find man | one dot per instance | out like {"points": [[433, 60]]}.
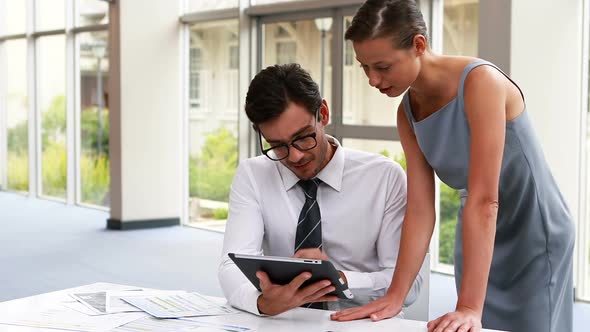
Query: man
{"points": [[309, 197]]}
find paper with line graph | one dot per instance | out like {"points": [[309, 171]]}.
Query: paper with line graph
{"points": [[178, 305]]}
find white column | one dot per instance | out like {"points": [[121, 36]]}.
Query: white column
{"points": [[145, 98]]}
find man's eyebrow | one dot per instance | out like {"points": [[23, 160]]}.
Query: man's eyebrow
{"points": [[297, 133]]}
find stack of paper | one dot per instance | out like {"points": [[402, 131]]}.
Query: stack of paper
{"points": [[124, 309]]}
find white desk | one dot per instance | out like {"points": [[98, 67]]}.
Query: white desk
{"points": [[296, 320]]}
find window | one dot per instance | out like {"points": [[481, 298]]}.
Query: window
{"points": [[195, 60], [306, 42], [94, 118], [92, 12], [390, 149], [363, 104], [51, 98], [50, 14], [460, 26], [213, 121], [16, 106], [12, 17]]}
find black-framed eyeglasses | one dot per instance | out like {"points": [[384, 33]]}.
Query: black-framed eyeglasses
{"points": [[281, 151]]}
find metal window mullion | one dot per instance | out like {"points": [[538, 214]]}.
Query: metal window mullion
{"points": [[582, 267], [3, 119], [16, 36], [44, 33], [337, 54], [435, 18], [436, 25], [211, 15], [248, 55], [34, 121], [89, 28], [72, 158], [185, 164]]}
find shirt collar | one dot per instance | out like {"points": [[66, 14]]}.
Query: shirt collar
{"points": [[331, 174]]}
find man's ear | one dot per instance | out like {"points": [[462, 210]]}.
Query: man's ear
{"points": [[324, 116]]}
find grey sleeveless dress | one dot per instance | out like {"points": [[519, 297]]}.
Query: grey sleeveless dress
{"points": [[530, 287]]}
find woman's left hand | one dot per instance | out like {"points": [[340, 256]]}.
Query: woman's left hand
{"points": [[462, 320]]}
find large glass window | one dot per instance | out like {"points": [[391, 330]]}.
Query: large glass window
{"points": [[52, 104], [306, 42], [50, 14], [94, 118], [213, 120], [390, 149], [12, 16], [92, 12], [363, 104], [16, 107], [461, 26]]}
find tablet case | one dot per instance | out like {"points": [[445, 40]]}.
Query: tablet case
{"points": [[282, 270]]}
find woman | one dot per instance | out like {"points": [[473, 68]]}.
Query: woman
{"points": [[465, 120]]}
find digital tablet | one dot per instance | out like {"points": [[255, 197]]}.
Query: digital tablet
{"points": [[282, 270]]}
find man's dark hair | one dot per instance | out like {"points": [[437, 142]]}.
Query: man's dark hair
{"points": [[274, 87], [400, 20]]}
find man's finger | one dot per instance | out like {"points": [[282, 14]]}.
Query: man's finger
{"points": [[326, 298], [309, 295], [296, 283], [316, 288], [263, 280]]}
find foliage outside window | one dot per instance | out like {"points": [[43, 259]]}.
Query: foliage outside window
{"points": [[449, 207], [213, 120]]}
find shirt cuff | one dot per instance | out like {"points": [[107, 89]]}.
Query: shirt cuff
{"points": [[246, 298], [358, 280]]}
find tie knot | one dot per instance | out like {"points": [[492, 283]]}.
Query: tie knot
{"points": [[310, 187]]}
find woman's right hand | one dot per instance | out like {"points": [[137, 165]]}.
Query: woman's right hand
{"points": [[383, 308]]}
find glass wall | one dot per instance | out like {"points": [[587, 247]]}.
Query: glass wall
{"points": [[50, 157], [363, 104], [51, 99], [307, 42], [16, 106], [460, 26], [12, 17], [213, 120], [94, 118], [50, 14], [92, 12]]}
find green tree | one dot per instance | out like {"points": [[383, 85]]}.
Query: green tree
{"points": [[212, 171], [449, 207], [89, 130]]}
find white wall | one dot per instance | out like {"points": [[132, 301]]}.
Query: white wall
{"points": [[146, 120], [539, 45], [546, 60]]}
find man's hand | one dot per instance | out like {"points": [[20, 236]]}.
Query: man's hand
{"points": [[314, 253], [276, 299], [311, 253]]}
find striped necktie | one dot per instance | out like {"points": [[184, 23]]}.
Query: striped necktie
{"points": [[309, 225]]}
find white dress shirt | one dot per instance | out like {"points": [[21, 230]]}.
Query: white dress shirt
{"points": [[362, 201]]}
